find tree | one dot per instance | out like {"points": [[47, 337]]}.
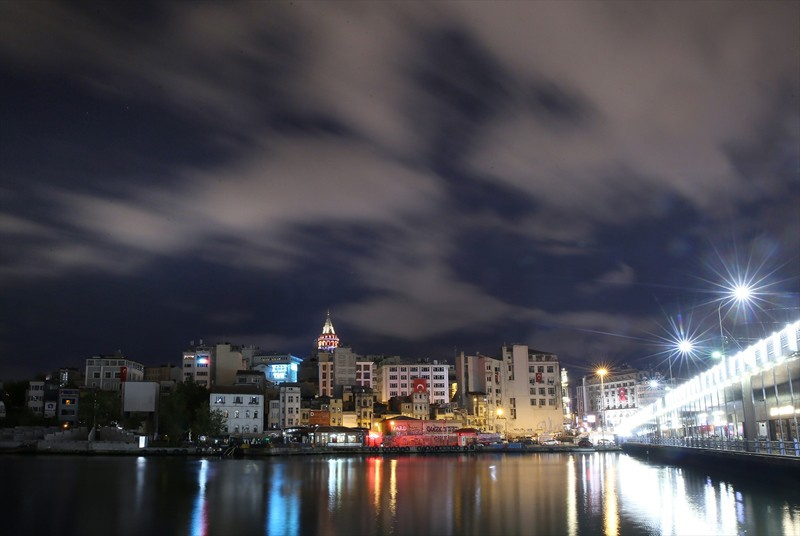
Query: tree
{"points": [[185, 409]]}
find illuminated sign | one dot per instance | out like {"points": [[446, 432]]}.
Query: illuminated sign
{"points": [[280, 368]]}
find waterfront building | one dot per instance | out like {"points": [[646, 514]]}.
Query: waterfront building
{"points": [[34, 397], [479, 376], [395, 377], [67, 412], [532, 398], [417, 405], [109, 372], [617, 401], [242, 407], [285, 411]]}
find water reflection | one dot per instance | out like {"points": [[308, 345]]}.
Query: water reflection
{"points": [[200, 512], [576, 494]]}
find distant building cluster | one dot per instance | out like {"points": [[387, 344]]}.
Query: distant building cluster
{"points": [[521, 392]]}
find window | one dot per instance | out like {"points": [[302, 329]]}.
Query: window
{"points": [[236, 400], [236, 414], [551, 402], [551, 390], [226, 413], [255, 428], [108, 375], [291, 410], [541, 401], [550, 368], [247, 414], [533, 401], [533, 391], [254, 400], [255, 416], [541, 391], [96, 375], [540, 369], [220, 400]]}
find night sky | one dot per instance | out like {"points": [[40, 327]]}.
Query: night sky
{"points": [[585, 178]]}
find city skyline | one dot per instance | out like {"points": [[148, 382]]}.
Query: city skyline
{"points": [[591, 180]]}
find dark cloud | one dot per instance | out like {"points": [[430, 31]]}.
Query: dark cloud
{"points": [[438, 176]]}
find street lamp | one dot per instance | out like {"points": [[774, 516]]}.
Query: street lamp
{"points": [[738, 294], [602, 373]]}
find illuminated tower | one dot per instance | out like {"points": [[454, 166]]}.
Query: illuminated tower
{"points": [[328, 341]]}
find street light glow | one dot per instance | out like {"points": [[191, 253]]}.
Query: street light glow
{"points": [[602, 372], [741, 293], [685, 346]]}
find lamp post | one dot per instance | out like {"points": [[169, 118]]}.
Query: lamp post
{"points": [[602, 373], [738, 294]]}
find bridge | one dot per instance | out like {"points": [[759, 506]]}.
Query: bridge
{"points": [[747, 406]]}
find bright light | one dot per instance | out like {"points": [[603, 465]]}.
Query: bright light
{"points": [[602, 372], [499, 412], [685, 346], [653, 384], [742, 293], [716, 354]]}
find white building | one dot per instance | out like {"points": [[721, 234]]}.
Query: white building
{"points": [[34, 397], [198, 365], [532, 401], [109, 372], [286, 413], [242, 407], [394, 378], [619, 398]]}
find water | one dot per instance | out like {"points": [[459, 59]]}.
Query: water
{"points": [[488, 494]]}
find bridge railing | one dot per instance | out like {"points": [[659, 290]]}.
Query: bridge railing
{"points": [[790, 447]]}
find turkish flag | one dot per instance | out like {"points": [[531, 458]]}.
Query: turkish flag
{"points": [[538, 377], [420, 385], [623, 394], [123, 374]]}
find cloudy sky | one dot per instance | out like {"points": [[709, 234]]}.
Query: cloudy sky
{"points": [[585, 178]]}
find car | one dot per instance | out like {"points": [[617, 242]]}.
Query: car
{"points": [[585, 443], [606, 443], [550, 442]]}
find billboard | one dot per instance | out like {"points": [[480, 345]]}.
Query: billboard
{"points": [[140, 396]]}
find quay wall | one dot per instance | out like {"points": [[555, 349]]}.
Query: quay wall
{"points": [[741, 463]]}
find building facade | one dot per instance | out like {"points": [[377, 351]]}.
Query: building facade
{"points": [[109, 372], [532, 401], [396, 378], [199, 365], [242, 407], [277, 368]]}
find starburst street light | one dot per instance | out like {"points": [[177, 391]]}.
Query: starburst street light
{"points": [[740, 294]]}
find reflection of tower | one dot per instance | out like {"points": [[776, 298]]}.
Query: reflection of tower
{"points": [[328, 340]]}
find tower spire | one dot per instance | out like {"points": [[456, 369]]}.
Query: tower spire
{"points": [[328, 340]]}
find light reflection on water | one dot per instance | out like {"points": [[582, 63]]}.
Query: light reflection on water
{"points": [[576, 494]]}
